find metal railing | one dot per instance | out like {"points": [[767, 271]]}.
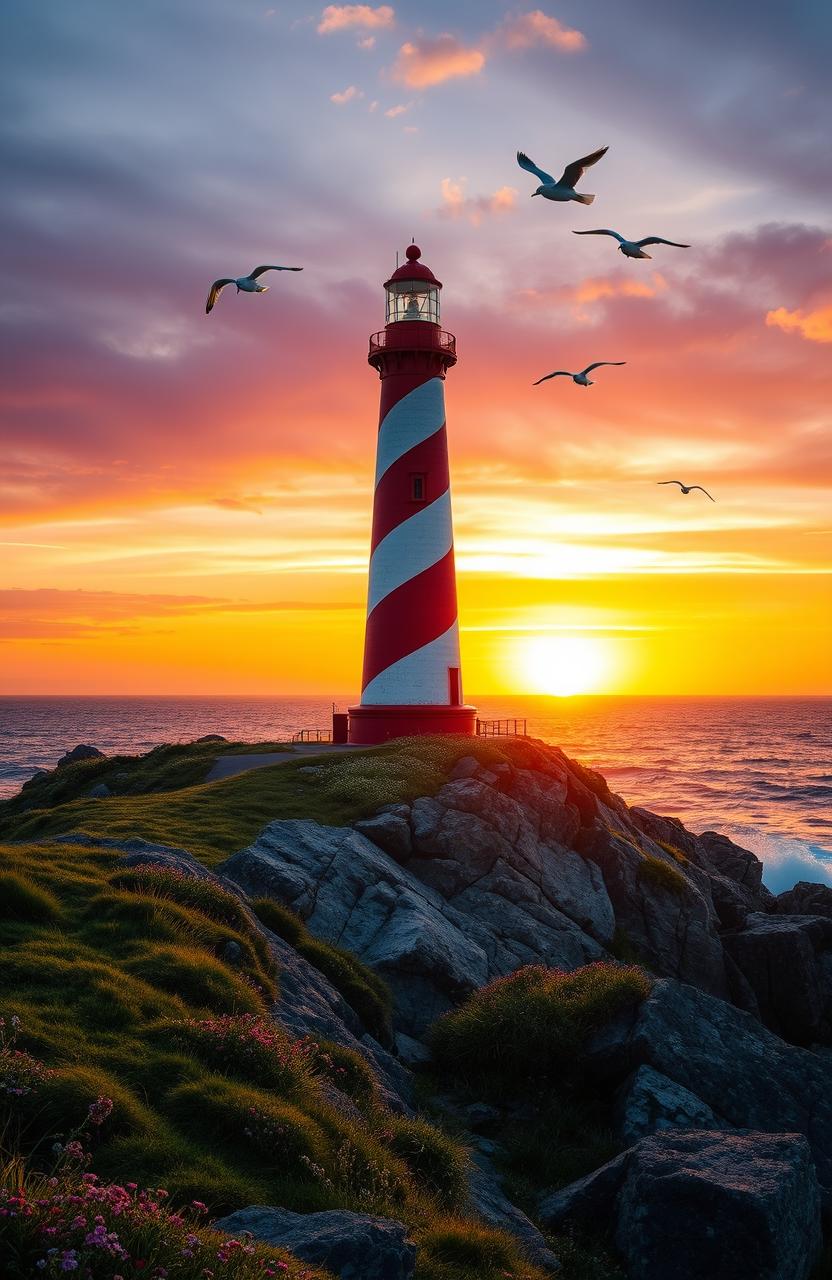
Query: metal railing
{"points": [[312, 735], [501, 728], [417, 335]]}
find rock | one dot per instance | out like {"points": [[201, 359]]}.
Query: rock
{"points": [[390, 831], [36, 777], [465, 767], [81, 752], [479, 1115], [100, 791], [353, 1246], [783, 960], [212, 737], [487, 1198], [411, 1052], [140, 853], [720, 1205], [672, 926], [688, 1204], [650, 1102], [232, 952], [432, 951], [805, 900], [747, 1075], [737, 864]]}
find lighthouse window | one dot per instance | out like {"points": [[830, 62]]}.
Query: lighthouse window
{"points": [[412, 300], [418, 487]]}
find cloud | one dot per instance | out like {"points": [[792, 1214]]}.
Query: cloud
{"points": [[338, 17], [455, 203], [433, 61], [366, 42], [346, 95], [815, 325], [536, 27], [398, 110], [594, 289]]}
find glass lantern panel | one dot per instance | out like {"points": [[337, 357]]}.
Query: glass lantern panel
{"points": [[412, 300]]}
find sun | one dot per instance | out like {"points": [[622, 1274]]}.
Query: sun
{"points": [[561, 665]]}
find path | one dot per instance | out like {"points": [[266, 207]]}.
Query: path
{"points": [[229, 766]]}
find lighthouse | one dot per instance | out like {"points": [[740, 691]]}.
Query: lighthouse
{"points": [[412, 678]]}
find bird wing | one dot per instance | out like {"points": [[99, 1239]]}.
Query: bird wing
{"points": [[574, 171], [681, 486], [530, 167], [600, 232], [659, 240], [258, 271], [216, 289], [598, 364], [559, 373], [705, 491]]}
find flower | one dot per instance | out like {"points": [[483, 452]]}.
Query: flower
{"points": [[100, 1110]]}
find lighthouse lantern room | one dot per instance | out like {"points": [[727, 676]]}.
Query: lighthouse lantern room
{"points": [[412, 679]]}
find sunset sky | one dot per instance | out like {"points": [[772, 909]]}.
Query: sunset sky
{"points": [[185, 500]]}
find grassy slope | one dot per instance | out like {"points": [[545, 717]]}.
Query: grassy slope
{"points": [[97, 970]]}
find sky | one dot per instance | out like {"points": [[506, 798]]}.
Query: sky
{"points": [[185, 500]]}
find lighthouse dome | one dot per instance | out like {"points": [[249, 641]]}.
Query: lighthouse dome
{"points": [[412, 290]]}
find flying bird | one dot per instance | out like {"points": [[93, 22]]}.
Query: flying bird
{"points": [[564, 188], [580, 378], [687, 488], [248, 284], [632, 248]]}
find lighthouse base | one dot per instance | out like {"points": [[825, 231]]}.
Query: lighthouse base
{"points": [[371, 725]]}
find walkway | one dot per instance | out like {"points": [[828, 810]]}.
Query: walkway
{"points": [[229, 766]]}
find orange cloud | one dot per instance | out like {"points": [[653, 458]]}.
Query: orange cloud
{"points": [[537, 27], [346, 95], [595, 289], [815, 325], [455, 203], [433, 61], [337, 17]]}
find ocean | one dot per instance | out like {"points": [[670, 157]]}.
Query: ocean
{"points": [[757, 769]]}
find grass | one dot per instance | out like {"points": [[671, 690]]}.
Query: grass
{"points": [[531, 1025], [363, 990], [213, 820], [661, 875], [676, 854], [22, 899], [125, 995]]}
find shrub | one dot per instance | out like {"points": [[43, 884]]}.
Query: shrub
{"points": [[78, 1224], [22, 899], [437, 1163], [249, 1048], [676, 854], [534, 1022], [286, 923], [661, 875], [200, 979]]}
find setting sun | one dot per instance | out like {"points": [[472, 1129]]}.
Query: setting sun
{"points": [[561, 665]]}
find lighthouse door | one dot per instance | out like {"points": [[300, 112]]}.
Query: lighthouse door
{"points": [[454, 687]]}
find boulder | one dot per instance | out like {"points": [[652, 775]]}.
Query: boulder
{"points": [[649, 1102], [487, 1199], [784, 960], [353, 1246], [212, 737], [805, 899], [36, 777], [81, 752], [390, 831], [100, 791], [688, 1204], [737, 864], [720, 1205], [747, 1075]]}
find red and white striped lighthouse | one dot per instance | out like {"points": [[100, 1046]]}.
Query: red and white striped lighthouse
{"points": [[412, 680]]}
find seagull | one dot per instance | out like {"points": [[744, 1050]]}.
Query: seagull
{"points": [[687, 488], [564, 188], [248, 284], [632, 248], [580, 379]]}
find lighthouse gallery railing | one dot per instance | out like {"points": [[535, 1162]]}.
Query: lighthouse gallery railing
{"points": [[418, 335]]}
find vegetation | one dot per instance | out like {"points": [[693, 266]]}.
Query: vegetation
{"points": [[127, 1003], [363, 990], [533, 1024], [662, 875], [676, 854]]}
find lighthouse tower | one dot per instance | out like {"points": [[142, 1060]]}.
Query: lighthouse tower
{"points": [[412, 680]]}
